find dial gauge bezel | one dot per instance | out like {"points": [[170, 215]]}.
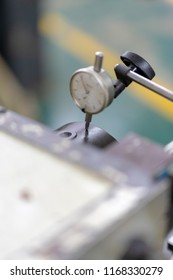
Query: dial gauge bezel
{"points": [[91, 91]]}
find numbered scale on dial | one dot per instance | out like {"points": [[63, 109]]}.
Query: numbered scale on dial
{"points": [[92, 88]]}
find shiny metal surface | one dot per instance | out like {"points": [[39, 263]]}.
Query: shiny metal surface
{"points": [[75, 131], [98, 61], [151, 85]]}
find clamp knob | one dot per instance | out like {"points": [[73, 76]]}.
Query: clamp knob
{"points": [[138, 64], [135, 63]]}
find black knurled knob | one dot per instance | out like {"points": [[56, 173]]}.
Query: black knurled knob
{"points": [[138, 64]]}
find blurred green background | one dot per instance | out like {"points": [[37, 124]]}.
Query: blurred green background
{"points": [[70, 32]]}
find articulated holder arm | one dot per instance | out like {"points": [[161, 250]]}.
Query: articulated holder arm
{"points": [[138, 70]]}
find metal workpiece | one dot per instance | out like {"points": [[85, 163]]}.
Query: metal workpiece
{"points": [[76, 132], [149, 156]]}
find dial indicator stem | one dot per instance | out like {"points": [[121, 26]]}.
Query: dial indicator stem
{"points": [[88, 118], [98, 61]]}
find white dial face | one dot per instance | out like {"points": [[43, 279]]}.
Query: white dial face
{"points": [[88, 92]]}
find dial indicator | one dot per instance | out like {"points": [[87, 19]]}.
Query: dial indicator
{"points": [[92, 88]]}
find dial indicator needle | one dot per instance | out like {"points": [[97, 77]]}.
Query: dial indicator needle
{"points": [[84, 86]]}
